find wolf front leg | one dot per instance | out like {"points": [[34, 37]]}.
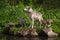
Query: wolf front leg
{"points": [[40, 20], [32, 22]]}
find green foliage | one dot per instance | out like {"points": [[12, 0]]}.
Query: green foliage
{"points": [[11, 10]]}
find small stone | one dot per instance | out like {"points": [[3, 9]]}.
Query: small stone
{"points": [[49, 21], [44, 22]]}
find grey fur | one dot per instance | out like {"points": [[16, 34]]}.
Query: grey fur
{"points": [[33, 15]]}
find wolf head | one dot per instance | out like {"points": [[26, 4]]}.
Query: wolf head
{"points": [[28, 9]]}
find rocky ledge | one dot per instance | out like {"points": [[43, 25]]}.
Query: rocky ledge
{"points": [[31, 32], [47, 32]]}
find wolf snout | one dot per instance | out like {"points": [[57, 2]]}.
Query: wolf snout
{"points": [[25, 9]]}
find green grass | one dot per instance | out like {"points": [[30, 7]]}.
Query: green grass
{"points": [[11, 13]]}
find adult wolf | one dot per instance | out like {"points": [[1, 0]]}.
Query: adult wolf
{"points": [[33, 15]]}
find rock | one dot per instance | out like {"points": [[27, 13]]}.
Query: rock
{"points": [[28, 33], [47, 32], [18, 25], [42, 34], [32, 32], [23, 32], [10, 24], [52, 34]]}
